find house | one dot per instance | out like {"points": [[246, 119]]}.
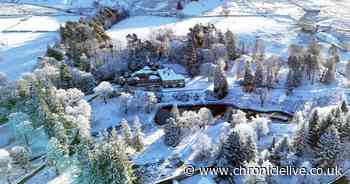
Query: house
{"points": [[164, 77], [145, 77], [170, 79]]}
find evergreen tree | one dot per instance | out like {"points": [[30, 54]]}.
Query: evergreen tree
{"points": [[231, 45], [299, 137], [248, 80], [314, 129], [220, 84], [329, 149], [237, 149], [345, 131], [65, 77], [280, 151], [172, 133], [126, 132], [108, 162], [175, 113], [138, 137], [190, 59], [57, 155], [259, 76], [344, 107]]}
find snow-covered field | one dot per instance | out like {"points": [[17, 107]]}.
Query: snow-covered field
{"points": [[23, 38]]}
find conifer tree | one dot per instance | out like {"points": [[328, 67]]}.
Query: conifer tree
{"points": [[329, 149], [231, 45], [108, 162], [237, 149], [175, 113], [298, 142], [314, 129], [259, 76], [172, 133], [248, 80], [138, 137], [220, 84], [190, 59], [65, 77], [126, 132], [280, 152]]}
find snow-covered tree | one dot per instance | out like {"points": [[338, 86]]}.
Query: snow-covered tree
{"points": [[299, 137], [5, 165], [248, 80], [259, 75], [261, 126], [57, 155], [190, 59], [220, 84], [175, 113], [259, 50], [280, 151], [125, 99], [239, 147], [238, 117], [108, 162], [21, 128], [202, 148], [313, 134], [231, 45], [330, 74], [138, 136], [65, 77], [329, 148], [205, 116], [126, 132], [104, 90], [20, 156], [172, 133], [151, 101]]}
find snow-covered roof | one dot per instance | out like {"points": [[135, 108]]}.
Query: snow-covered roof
{"points": [[144, 71], [167, 74]]}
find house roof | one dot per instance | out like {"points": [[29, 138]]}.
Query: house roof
{"points": [[167, 74], [144, 71]]}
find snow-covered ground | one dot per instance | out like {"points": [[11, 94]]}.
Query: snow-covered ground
{"points": [[21, 45]]}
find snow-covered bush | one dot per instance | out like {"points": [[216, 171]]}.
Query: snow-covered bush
{"points": [[261, 126], [202, 149], [20, 156], [104, 90]]}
